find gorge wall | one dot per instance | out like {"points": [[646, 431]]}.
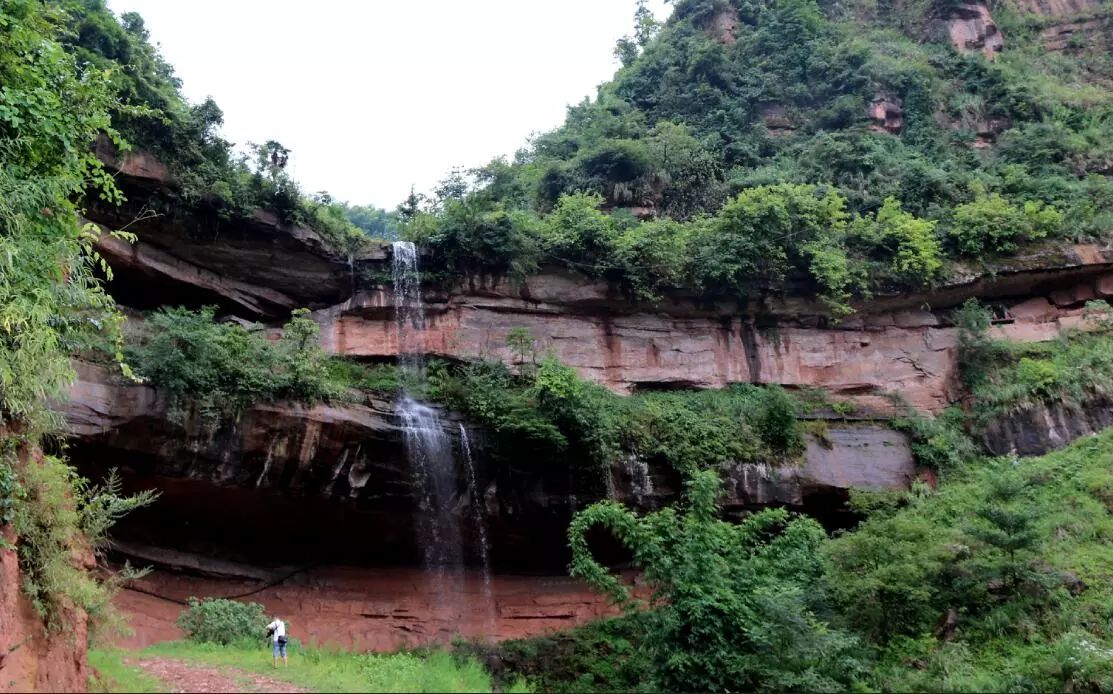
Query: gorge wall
{"points": [[339, 472]]}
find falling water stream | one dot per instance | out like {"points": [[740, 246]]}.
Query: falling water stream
{"points": [[429, 451], [478, 512]]}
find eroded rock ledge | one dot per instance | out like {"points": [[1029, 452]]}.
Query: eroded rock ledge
{"points": [[891, 346], [341, 471], [261, 269]]}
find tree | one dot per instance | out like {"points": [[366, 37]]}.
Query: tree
{"points": [[646, 27], [1006, 540], [768, 234], [908, 244]]}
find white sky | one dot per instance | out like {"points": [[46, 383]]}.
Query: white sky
{"points": [[375, 95]]}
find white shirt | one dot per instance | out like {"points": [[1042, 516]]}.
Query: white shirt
{"points": [[279, 628]]}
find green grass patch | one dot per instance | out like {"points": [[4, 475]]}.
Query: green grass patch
{"points": [[333, 670], [113, 674]]}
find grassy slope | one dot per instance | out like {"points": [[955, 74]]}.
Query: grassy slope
{"points": [[1067, 644]]}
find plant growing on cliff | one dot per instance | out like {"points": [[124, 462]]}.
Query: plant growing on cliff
{"points": [[51, 303], [732, 606], [59, 518], [222, 368], [988, 582]]}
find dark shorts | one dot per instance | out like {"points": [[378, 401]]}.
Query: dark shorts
{"points": [[279, 649]]}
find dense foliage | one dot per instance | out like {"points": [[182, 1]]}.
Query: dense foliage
{"points": [[216, 620], [548, 414], [52, 108], [731, 603], [734, 153], [1073, 371], [990, 583], [57, 516], [218, 369]]}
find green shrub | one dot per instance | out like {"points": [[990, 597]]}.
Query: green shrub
{"points": [[222, 368], [220, 621], [941, 442], [991, 224], [907, 244], [556, 415], [601, 656], [732, 605], [1006, 378], [995, 581]]}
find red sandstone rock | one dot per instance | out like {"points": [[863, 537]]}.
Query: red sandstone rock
{"points": [[887, 114], [378, 609], [905, 351], [972, 29], [1077, 294], [1036, 309], [32, 659]]}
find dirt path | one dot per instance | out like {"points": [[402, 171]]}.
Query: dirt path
{"points": [[181, 676]]}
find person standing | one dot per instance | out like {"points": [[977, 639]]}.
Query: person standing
{"points": [[277, 631]]}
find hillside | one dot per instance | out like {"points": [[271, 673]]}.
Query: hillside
{"points": [[803, 322], [748, 149]]}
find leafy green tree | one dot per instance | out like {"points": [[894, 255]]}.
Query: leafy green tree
{"points": [[886, 577], [375, 222], [653, 256], [645, 28], [219, 369], [478, 235], [992, 224], [1007, 542], [768, 235], [224, 622], [906, 243], [730, 603], [51, 112], [581, 234]]}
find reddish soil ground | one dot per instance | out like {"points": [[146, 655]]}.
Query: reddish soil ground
{"points": [[180, 676]]}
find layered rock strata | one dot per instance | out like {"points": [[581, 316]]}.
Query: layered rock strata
{"points": [[908, 350], [341, 470]]}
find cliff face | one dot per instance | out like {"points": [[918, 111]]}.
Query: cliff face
{"points": [[344, 467], [30, 658], [903, 345], [260, 269], [340, 471]]}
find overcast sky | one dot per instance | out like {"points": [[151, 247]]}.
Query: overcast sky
{"points": [[375, 95]]}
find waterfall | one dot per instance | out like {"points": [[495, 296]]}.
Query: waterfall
{"points": [[409, 308], [429, 451], [478, 513], [429, 448]]}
